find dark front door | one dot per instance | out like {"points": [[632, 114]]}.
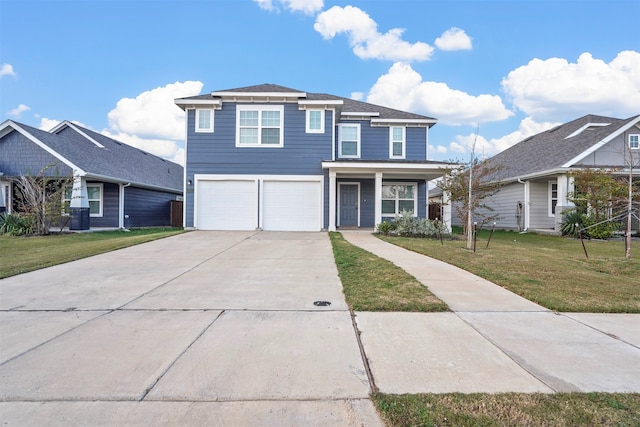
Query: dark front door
{"points": [[348, 205]]}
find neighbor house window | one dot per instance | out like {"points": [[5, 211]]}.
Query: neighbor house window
{"points": [[397, 142], [259, 126], [315, 121], [94, 196], [204, 120], [349, 141], [634, 141], [399, 197], [553, 198]]}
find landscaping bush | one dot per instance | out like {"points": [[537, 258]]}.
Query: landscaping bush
{"points": [[16, 224], [603, 230], [405, 224], [572, 223]]}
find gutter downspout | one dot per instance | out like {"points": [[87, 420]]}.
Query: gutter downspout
{"points": [[526, 204], [121, 213]]}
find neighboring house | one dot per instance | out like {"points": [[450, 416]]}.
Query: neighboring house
{"points": [[274, 158], [534, 173], [115, 184]]}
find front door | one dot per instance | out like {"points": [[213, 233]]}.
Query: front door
{"points": [[349, 195]]}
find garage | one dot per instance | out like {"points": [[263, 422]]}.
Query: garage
{"points": [[268, 202]]}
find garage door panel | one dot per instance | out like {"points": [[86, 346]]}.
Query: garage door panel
{"points": [[292, 205], [227, 205]]}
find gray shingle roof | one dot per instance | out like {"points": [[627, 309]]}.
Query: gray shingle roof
{"points": [[348, 106], [552, 149], [117, 160]]}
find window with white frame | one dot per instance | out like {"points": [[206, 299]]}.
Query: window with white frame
{"points": [[634, 141], [553, 197], [315, 121], [399, 197], [259, 126], [204, 120], [94, 196], [349, 141], [397, 144]]}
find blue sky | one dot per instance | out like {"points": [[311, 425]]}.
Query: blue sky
{"points": [[509, 68]]}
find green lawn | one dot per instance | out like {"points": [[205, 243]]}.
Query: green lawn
{"points": [[23, 254], [549, 270]]}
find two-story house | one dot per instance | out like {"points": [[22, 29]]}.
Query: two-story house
{"points": [[274, 158]]}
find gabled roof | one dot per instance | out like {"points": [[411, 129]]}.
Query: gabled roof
{"points": [[559, 148], [97, 156], [346, 108]]}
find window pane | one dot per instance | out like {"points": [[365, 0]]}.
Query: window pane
{"points": [[94, 207], [204, 119], [397, 134], [314, 120], [67, 193], [93, 193], [397, 148], [634, 141], [349, 148], [388, 207], [405, 191], [389, 192], [271, 118], [248, 118], [406, 205], [271, 136], [249, 136], [349, 133]]}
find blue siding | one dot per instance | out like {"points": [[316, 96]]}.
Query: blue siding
{"points": [[147, 208], [374, 142], [416, 143], [20, 156], [110, 203]]}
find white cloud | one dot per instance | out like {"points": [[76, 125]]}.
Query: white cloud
{"points": [[364, 37], [454, 39], [16, 112], [557, 89], [153, 114], [440, 149], [357, 96], [7, 70], [402, 88], [167, 149], [47, 124], [487, 148], [308, 7]]}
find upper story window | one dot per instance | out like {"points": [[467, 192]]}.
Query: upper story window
{"points": [[259, 126], [397, 145], [349, 141], [204, 120], [634, 141], [315, 121]]}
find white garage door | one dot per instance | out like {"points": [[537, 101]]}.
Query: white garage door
{"points": [[292, 205], [227, 205]]}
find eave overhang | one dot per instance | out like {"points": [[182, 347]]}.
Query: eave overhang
{"points": [[424, 170], [189, 104]]}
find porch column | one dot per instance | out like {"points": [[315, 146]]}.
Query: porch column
{"points": [[527, 205], [378, 200], [446, 210], [332, 200], [565, 186], [79, 204]]}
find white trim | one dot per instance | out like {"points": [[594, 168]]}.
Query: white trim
{"points": [[358, 142], [585, 127], [318, 103], [357, 184], [197, 127], [190, 104], [405, 122], [604, 141], [399, 167], [360, 114], [308, 129], [404, 142]]}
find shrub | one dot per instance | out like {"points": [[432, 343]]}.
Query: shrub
{"points": [[386, 227], [405, 224], [572, 223], [598, 229], [16, 224]]}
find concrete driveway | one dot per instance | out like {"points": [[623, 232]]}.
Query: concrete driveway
{"points": [[204, 328]]}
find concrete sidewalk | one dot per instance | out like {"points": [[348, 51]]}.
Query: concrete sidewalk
{"points": [[203, 328], [494, 340]]}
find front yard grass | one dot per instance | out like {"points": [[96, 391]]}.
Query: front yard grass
{"points": [[510, 409], [371, 283], [549, 270], [23, 254]]}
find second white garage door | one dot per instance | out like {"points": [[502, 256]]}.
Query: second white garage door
{"points": [[269, 202], [292, 205]]}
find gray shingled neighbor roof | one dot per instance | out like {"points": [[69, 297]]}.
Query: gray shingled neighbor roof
{"points": [[552, 149], [348, 106], [117, 161]]}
